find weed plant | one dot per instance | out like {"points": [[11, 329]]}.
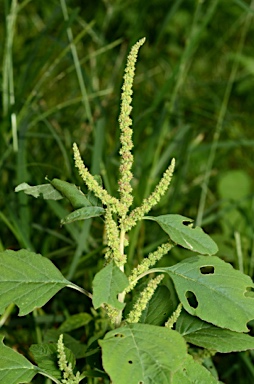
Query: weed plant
{"points": [[62, 68]]}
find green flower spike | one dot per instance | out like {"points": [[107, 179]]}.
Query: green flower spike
{"points": [[65, 367], [144, 297], [139, 212], [113, 240], [172, 320], [147, 263], [92, 184], [125, 123]]}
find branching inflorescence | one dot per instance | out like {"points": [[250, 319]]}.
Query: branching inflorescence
{"points": [[118, 219]]}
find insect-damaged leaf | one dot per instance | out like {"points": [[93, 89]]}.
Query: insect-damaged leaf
{"points": [[47, 191], [214, 291], [192, 372], [142, 353], [56, 190], [181, 232]]}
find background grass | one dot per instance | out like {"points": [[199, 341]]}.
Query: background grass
{"points": [[61, 76]]}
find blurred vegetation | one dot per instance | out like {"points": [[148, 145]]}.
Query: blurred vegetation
{"points": [[61, 77]]}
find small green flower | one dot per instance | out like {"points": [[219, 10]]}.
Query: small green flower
{"points": [[93, 185], [65, 367], [111, 312], [173, 318], [144, 298], [139, 212], [113, 239], [147, 263], [125, 123]]}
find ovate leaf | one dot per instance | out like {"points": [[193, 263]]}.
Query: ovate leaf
{"points": [[107, 284], [181, 232], [75, 196], [214, 291], [83, 214], [27, 279], [142, 353], [192, 373], [14, 368], [45, 356], [75, 321], [47, 191], [203, 334]]}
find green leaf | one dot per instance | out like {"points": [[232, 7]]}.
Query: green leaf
{"points": [[75, 196], [46, 356], [181, 232], [27, 279], [75, 321], [46, 190], [142, 353], [107, 284], [83, 214], [198, 332], [192, 373], [158, 309], [212, 290], [14, 368]]}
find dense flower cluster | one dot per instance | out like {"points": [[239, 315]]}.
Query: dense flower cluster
{"points": [[147, 263], [143, 300], [125, 123], [139, 212], [65, 367]]}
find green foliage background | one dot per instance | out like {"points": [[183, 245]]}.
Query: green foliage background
{"points": [[193, 100]]}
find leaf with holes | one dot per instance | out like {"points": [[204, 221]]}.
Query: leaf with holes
{"points": [[107, 284], [47, 191], [212, 290], [181, 232], [205, 335], [15, 368], [28, 279], [142, 353], [192, 373]]}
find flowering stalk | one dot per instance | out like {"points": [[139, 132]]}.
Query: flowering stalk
{"points": [[146, 264], [139, 212], [93, 185], [65, 367], [118, 220], [125, 123], [173, 318], [144, 297], [113, 240]]}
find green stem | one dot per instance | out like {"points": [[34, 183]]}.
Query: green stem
{"points": [[121, 295]]}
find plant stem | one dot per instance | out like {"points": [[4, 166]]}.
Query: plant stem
{"points": [[121, 295]]}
